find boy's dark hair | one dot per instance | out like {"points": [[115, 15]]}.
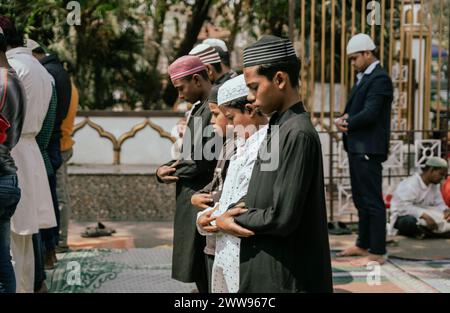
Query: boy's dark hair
{"points": [[14, 38], [39, 50], [203, 74], [217, 67], [239, 104], [291, 67], [224, 56]]}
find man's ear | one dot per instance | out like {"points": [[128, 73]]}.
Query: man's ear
{"points": [[196, 78], [280, 79], [209, 69]]}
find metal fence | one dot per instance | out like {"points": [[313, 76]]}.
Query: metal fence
{"points": [[410, 37]]}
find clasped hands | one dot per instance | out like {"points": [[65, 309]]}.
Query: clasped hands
{"points": [[341, 123], [224, 222]]}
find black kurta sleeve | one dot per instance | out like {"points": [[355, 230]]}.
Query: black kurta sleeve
{"points": [[189, 169], [299, 156]]}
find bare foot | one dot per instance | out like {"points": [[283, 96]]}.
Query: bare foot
{"points": [[353, 251], [375, 258]]}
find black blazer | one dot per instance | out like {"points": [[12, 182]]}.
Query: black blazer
{"points": [[369, 110]]}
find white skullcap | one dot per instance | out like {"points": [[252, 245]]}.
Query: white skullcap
{"points": [[206, 53], [31, 44], [232, 89], [436, 162], [214, 42], [360, 42]]}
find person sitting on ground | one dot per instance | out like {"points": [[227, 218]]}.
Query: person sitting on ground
{"points": [[418, 208]]}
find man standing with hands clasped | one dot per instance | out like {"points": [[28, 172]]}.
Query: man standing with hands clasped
{"points": [[366, 133]]}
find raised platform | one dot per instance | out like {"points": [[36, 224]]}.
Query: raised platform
{"points": [[119, 193]]}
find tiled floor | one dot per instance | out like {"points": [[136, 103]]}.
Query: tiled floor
{"points": [[137, 258]]}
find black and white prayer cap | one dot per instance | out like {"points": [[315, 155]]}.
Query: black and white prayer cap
{"points": [[269, 49], [206, 53], [232, 89]]}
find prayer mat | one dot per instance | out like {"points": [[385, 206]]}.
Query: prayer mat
{"points": [[386, 278], [435, 273], [149, 270], [423, 249], [115, 271]]}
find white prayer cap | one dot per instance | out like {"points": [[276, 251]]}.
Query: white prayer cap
{"points": [[232, 89], [206, 53], [360, 42], [214, 42], [436, 162], [31, 44]]}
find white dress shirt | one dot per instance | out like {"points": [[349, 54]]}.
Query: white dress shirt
{"points": [[368, 71]]}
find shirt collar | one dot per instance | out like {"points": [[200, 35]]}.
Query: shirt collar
{"points": [[256, 135], [368, 70], [19, 50], [225, 77], [280, 118]]}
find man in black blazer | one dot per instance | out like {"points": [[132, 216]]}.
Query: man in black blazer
{"points": [[366, 133]]}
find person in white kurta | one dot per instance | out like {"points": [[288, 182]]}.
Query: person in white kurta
{"points": [[232, 96], [225, 273], [417, 203], [35, 209]]}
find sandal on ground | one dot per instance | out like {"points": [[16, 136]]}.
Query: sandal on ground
{"points": [[338, 228], [98, 231]]}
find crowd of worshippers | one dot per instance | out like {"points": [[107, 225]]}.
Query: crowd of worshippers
{"points": [[241, 224], [38, 104], [240, 227]]}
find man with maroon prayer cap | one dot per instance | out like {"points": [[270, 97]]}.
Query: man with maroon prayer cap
{"points": [[191, 172]]}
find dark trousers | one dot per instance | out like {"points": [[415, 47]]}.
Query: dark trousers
{"points": [[407, 226], [39, 270], [202, 281], [209, 259], [366, 181], [9, 197], [50, 236]]}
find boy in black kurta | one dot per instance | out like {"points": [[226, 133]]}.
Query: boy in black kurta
{"points": [[191, 173], [285, 202]]}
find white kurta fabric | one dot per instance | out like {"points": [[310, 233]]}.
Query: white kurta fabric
{"points": [[35, 209], [413, 197], [225, 272], [23, 261]]}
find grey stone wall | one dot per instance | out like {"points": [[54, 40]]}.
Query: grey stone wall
{"points": [[120, 197]]}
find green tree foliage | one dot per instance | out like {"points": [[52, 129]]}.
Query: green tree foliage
{"points": [[108, 51]]}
